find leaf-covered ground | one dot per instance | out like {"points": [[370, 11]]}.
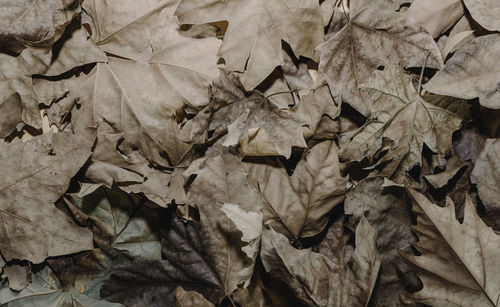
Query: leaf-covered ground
{"points": [[249, 153]]}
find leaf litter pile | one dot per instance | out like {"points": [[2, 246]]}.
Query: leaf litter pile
{"points": [[249, 153]]}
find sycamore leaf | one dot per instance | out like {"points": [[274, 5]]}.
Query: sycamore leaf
{"points": [[255, 123], [19, 275], [473, 71], [459, 264], [17, 98], [185, 298], [436, 17], [486, 173], [401, 115], [73, 50], [387, 211], [33, 22], [46, 290], [32, 228], [148, 35], [369, 39], [485, 12], [315, 279], [124, 222], [194, 259], [297, 205], [252, 43]]}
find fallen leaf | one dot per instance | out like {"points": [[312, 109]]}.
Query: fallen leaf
{"points": [[297, 205], [485, 12], [436, 17], [46, 290], [185, 298], [485, 174], [252, 42], [386, 209], [33, 23], [401, 115], [315, 279], [459, 263], [471, 72], [372, 38], [44, 165], [19, 276], [194, 259]]}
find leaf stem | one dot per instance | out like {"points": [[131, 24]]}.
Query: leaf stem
{"points": [[422, 72]]}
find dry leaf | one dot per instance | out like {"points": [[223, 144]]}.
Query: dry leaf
{"points": [[316, 280], [471, 72], [34, 23], [252, 42], [436, 17], [297, 205], [485, 12], [401, 115], [370, 39], [459, 263]]}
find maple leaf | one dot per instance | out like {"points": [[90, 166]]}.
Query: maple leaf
{"points": [[254, 123], [32, 227], [34, 23], [401, 115], [252, 42], [471, 72], [203, 257], [372, 38], [297, 205], [315, 279], [459, 263]]}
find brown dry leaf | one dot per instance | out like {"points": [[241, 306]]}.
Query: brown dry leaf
{"points": [[436, 16], [33, 228], [200, 256], [148, 35], [374, 36], [316, 280], [402, 116], [34, 23], [386, 209], [440, 180], [485, 12], [17, 98], [297, 205], [473, 71], [19, 275], [252, 42], [253, 122], [486, 174], [459, 264], [185, 298]]}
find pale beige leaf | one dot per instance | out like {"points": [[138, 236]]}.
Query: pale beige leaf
{"points": [[297, 205], [386, 209], [31, 227], [251, 120], [485, 12], [401, 115], [19, 275], [252, 42], [147, 34], [371, 39], [456, 41], [441, 179], [190, 299], [250, 225], [75, 50], [436, 16], [473, 71], [486, 174], [33, 22], [17, 97], [315, 279], [459, 265]]}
